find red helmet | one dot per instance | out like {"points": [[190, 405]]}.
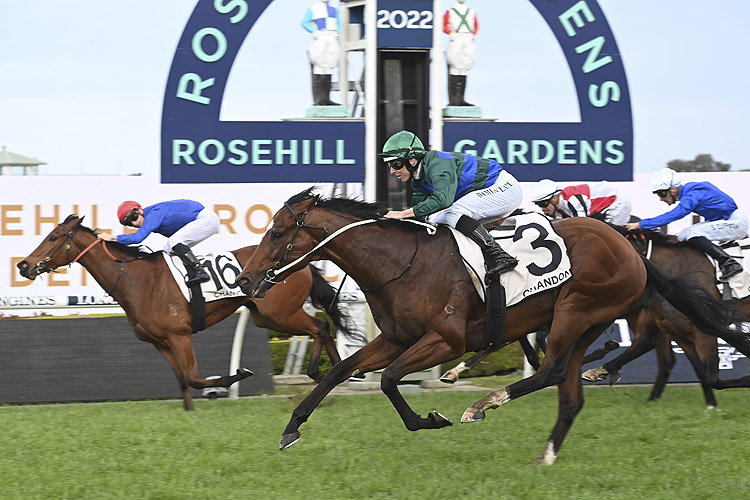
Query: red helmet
{"points": [[124, 209]]}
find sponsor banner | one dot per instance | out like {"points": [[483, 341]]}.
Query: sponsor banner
{"points": [[600, 146], [198, 147], [33, 205]]}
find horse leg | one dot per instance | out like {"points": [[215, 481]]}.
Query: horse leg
{"points": [[646, 334], [373, 356], [553, 370], [702, 356], [430, 350], [452, 375], [187, 396], [665, 361], [569, 399], [181, 347]]}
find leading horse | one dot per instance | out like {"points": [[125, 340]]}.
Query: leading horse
{"points": [[423, 300], [158, 312]]}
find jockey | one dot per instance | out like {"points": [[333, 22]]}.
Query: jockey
{"points": [[723, 220], [582, 200], [185, 223], [457, 189]]}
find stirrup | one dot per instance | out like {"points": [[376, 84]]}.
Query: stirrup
{"points": [[730, 268], [198, 278]]}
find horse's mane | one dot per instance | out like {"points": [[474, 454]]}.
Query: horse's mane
{"points": [[129, 251], [348, 206], [657, 237]]}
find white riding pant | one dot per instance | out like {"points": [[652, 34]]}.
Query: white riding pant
{"points": [[324, 52], [734, 228], [192, 233], [484, 205], [460, 53], [618, 213]]}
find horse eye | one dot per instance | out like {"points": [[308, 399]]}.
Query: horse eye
{"points": [[276, 235], [53, 238]]}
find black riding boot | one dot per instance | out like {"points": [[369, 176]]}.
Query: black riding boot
{"points": [[326, 91], [496, 259], [196, 273], [729, 266], [461, 90], [453, 97]]}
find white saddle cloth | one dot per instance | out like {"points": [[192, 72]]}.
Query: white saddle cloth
{"points": [[223, 269], [541, 252]]}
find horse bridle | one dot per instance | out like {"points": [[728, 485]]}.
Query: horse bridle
{"points": [[300, 221], [42, 266]]}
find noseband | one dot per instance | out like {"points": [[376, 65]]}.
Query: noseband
{"points": [[42, 265], [300, 221]]}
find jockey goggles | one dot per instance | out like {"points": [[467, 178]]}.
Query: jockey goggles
{"points": [[131, 217], [661, 193], [397, 164], [543, 203]]}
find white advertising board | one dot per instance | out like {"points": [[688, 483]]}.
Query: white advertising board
{"points": [[31, 206]]}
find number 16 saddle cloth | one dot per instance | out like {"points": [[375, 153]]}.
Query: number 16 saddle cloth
{"points": [[223, 268]]}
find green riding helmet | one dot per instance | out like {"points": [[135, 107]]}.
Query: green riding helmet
{"points": [[402, 146]]}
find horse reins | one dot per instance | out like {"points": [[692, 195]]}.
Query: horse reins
{"points": [[300, 220]]}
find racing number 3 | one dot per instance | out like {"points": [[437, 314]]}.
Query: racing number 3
{"points": [[540, 242]]}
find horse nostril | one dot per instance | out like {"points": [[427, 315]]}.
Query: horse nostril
{"points": [[243, 281], [23, 265]]}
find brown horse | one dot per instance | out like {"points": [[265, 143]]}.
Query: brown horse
{"points": [[656, 324], [158, 312], [428, 311]]}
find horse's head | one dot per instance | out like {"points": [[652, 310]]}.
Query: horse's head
{"points": [[288, 239], [53, 252]]}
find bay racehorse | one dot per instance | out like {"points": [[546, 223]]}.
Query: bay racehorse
{"points": [[659, 323], [158, 312], [423, 300]]}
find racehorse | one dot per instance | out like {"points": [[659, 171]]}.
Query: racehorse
{"points": [[423, 300], [660, 321], [157, 311]]}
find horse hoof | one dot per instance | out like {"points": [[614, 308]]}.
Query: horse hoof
{"points": [[614, 377], [447, 378], [439, 419], [244, 373], [472, 416], [595, 374], [288, 440]]}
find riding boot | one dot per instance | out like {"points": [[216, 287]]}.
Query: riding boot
{"points": [[729, 266], [452, 96], [461, 90], [315, 89], [318, 90], [496, 259], [326, 91], [196, 273]]}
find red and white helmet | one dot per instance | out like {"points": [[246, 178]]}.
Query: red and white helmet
{"points": [[124, 209]]}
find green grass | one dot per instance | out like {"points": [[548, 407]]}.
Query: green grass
{"points": [[355, 447]]}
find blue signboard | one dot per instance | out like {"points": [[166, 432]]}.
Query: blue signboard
{"points": [[600, 146], [198, 147], [405, 23]]}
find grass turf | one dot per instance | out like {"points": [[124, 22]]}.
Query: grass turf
{"points": [[620, 447]]}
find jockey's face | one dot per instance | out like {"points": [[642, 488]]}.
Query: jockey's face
{"points": [[403, 173], [549, 210], [670, 198]]}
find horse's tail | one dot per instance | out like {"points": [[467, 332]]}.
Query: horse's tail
{"points": [[324, 296], [708, 314]]}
